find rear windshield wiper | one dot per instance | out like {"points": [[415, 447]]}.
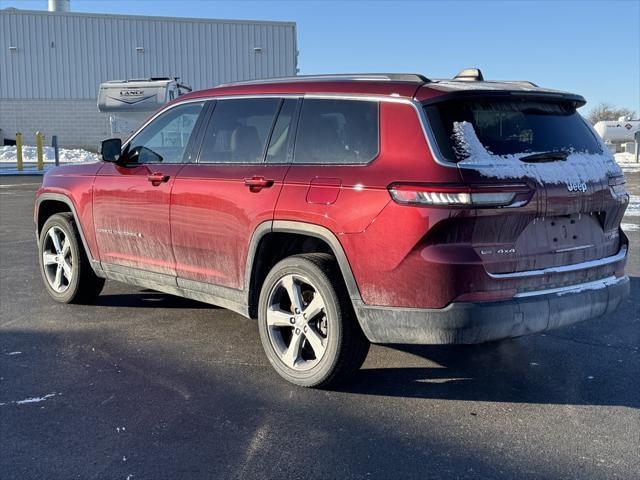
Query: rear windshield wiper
{"points": [[545, 157]]}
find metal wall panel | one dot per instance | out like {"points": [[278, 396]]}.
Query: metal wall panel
{"points": [[62, 55]]}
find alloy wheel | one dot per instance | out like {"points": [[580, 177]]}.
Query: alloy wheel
{"points": [[296, 322], [57, 259]]}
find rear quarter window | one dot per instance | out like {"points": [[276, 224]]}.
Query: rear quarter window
{"points": [[337, 132]]}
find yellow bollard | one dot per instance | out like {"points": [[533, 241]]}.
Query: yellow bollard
{"points": [[39, 150], [19, 150]]}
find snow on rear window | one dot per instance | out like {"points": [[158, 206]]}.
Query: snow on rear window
{"points": [[578, 166]]}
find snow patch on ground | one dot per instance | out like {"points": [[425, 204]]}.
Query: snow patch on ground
{"points": [[29, 154], [630, 227], [14, 353], [36, 399], [578, 167], [31, 400], [633, 209]]}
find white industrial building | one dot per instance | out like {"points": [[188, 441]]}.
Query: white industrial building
{"points": [[53, 62]]}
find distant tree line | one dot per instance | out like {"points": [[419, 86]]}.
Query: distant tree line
{"points": [[607, 112]]}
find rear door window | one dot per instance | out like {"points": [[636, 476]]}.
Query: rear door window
{"points": [[239, 130], [337, 132], [508, 127]]}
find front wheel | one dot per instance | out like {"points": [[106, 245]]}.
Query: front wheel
{"points": [[65, 268], [306, 321]]}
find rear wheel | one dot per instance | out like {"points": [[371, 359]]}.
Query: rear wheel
{"points": [[307, 326], [67, 274]]}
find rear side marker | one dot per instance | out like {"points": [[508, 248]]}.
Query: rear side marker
{"points": [[481, 196]]}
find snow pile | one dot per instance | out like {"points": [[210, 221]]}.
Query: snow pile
{"points": [[627, 162], [578, 167], [29, 154], [625, 157]]}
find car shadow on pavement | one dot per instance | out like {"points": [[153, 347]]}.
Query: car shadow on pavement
{"points": [[149, 299], [155, 412], [591, 363]]}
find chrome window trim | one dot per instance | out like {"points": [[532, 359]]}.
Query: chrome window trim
{"points": [[417, 106], [564, 268], [593, 285]]}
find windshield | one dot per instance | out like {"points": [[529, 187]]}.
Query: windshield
{"points": [[507, 127]]}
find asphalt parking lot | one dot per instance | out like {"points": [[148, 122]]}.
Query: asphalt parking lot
{"points": [[149, 386]]}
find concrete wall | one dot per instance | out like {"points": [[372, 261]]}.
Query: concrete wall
{"points": [[77, 123]]}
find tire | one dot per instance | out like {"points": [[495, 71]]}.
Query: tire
{"points": [[310, 346], [63, 258]]}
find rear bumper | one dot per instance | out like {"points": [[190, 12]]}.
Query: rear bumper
{"points": [[460, 323]]}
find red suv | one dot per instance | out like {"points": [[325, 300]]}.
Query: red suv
{"points": [[347, 209]]}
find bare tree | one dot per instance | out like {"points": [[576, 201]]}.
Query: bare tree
{"points": [[606, 111]]}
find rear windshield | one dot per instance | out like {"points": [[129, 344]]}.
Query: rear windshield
{"points": [[508, 127]]}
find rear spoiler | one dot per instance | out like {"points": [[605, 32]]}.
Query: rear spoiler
{"points": [[576, 100]]}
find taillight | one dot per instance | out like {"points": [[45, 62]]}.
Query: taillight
{"points": [[504, 195], [617, 185]]}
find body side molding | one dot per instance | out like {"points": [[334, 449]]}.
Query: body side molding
{"points": [[202, 292]]}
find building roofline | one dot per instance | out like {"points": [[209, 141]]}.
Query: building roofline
{"points": [[12, 10]]}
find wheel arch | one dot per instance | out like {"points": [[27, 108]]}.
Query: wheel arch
{"points": [[272, 231], [48, 204]]}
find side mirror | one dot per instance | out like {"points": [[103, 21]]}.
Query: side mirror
{"points": [[110, 149]]}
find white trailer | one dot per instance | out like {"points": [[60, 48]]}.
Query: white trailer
{"points": [[622, 135], [131, 102], [618, 131]]}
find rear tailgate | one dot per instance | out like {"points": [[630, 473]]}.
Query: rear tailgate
{"points": [[577, 203], [567, 221]]}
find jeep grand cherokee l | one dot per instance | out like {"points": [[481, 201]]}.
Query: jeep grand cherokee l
{"points": [[347, 209]]}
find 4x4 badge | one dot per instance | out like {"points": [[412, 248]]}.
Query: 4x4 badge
{"points": [[577, 187]]}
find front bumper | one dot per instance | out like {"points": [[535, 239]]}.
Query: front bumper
{"points": [[460, 323]]}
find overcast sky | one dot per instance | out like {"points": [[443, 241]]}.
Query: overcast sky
{"points": [[588, 47]]}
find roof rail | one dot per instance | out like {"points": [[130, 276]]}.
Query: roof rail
{"points": [[384, 77]]}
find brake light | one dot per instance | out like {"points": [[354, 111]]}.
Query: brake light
{"points": [[460, 195], [617, 185]]}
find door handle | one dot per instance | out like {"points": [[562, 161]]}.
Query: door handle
{"points": [[256, 183], [156, 178]]}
